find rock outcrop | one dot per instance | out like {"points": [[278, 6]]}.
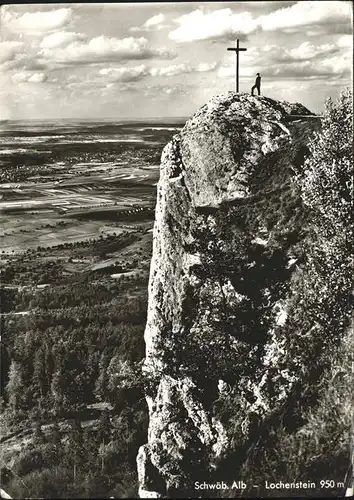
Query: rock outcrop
{"points": [[228, 233]]}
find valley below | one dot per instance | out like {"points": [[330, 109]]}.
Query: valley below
{"points": [[77, 210]]}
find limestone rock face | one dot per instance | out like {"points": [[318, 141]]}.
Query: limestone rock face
{"points": [[219, 360]]}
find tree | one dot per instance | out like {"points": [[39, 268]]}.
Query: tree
{"points": [[323, 298], [327, 177], [14, 387], [39, 374], [104, 427], [76, 449], [56, 434], [39, 436], [326, 184], [102, 380]]}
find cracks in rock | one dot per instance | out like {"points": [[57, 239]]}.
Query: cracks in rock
{"points": [[177, 166], [183, 183], [179, 169], [206, 210], [224, 299]]}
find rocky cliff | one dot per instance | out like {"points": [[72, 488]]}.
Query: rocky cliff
{"points": [[221, 360]]}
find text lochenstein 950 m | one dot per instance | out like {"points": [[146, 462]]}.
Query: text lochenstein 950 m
{"points": [[270, 485]]}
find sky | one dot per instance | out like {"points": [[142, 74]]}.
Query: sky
{"points": [[164, 59]]}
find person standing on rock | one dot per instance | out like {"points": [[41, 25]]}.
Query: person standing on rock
{"points": [[257, 85]]}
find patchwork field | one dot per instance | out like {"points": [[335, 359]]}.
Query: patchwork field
{"points": [[75, 207]]}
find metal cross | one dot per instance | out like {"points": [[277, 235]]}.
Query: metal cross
{"points": [[237, 49]]}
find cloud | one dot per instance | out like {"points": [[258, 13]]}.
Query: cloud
{"points": [[179, 69], [37, 78], [331, 68], [60, 39], [326, 59], [220, 24], [23, 61], [27, 77], [35, 22], [302, 14], [9, 50], [345, 41], [137, 73], [314, 17], [305, 62], [14, 57], [341, 65], [133, 74], [205, 67], [159, 91], [304, 52], [153, 23], [103, 49]]}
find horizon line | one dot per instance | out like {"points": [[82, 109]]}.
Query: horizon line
{"points": [[122, 118]]}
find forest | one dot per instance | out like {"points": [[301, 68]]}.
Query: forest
{"points": [[73, 406]]}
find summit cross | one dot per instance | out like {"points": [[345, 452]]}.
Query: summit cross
{"points": [[237, 49]]}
